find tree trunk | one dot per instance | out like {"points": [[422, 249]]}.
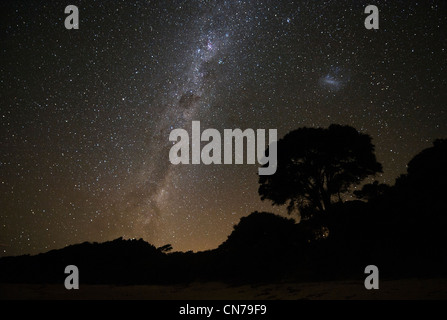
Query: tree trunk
{"points": [[326, 199]]}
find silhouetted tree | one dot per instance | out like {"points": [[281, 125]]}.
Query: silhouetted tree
{"points": [[317, 165], [165, 249]]}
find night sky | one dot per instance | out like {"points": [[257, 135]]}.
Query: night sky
{"points": [[86, 114]]}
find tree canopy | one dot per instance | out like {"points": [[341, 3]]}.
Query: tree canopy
{"points": [[317, 165]]}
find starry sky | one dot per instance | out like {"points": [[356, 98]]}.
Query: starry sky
{"points": [[86, 114]]}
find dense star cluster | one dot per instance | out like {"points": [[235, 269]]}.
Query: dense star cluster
{"points": [[86, 114]]}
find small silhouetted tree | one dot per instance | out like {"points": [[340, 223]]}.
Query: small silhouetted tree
{"points": [[317, 165], [165, 249]]}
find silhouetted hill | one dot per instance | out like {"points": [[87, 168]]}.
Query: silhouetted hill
{"points": [[258, 248], [262, 247], [117, 261]]}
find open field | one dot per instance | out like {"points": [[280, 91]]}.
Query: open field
{"points": [[334, 290]]}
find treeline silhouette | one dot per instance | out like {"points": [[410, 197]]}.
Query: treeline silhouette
{"points": [[401, 229]]}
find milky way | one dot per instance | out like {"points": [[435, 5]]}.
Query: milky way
{"points": [[86, 114]]}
